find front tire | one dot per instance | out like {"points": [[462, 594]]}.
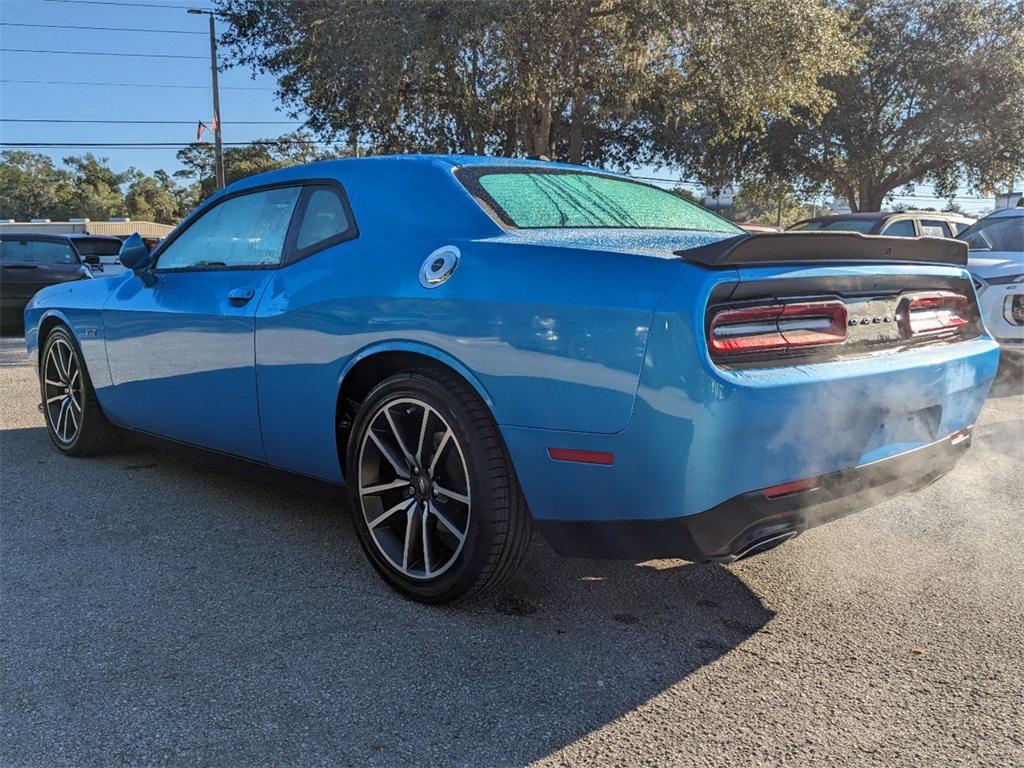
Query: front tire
{"points": [[74, 420], [435, 500]]}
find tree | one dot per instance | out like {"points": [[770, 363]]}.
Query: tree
{"points": [[153, 198], [32, 187], [937, 97], [775, 205], [96, 189], [597, 81], [240, 162]]}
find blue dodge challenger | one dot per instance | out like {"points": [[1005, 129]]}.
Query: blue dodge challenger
{"points": [[468, 347]]}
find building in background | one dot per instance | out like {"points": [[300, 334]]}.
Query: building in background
{"points": [[121, 227]]}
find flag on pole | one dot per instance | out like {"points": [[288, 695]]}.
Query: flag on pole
{"points": [[199, 130], [214, 124]]}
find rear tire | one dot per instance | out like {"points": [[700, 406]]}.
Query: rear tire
{"points": [[435, 499], [74, 419]]}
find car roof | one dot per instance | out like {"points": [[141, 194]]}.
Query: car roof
{"points": [[1006, 213], [412, 196]]}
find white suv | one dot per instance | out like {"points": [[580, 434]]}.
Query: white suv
{"points": [[996, 262]]}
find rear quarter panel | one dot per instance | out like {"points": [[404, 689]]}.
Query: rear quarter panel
{"points": [[553, 338]]}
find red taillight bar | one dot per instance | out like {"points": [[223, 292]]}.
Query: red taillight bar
{"points": [[777, 327], [933, 313]]}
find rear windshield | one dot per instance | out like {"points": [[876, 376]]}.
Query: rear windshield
{"points": [[537, 199], [97, 246], [996, 234], [36, 252], [840, 225]]}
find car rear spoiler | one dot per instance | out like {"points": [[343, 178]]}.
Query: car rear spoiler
{"points": [[818, 247]]}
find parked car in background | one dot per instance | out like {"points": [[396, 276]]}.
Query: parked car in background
{"points": [[900, 224], [475, 346], [757, 228], [105, 247], [30, 262], [996, 260]]}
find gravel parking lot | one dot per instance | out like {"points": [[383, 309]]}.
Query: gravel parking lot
{"points": [[155, 611]]}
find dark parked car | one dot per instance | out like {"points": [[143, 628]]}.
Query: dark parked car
{"points": [[901, 224], [30, 261]]}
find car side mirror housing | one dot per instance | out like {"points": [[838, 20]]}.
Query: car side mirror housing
{"points": [[135, 256], [92, 260]]}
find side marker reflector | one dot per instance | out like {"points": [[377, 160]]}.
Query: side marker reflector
{"points": [[583, 457], [785, 489]]}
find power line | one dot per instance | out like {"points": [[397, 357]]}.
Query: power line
{"points": [[104, 53], [102, 29], [125, 4], [137, 85], [143, 122]]}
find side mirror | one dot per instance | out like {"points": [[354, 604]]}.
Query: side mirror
{"points": [[134, 255]]}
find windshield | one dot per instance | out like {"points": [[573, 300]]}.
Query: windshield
{"points": [[97, 246], [1002, 233], [536, 199], [840, 225]]}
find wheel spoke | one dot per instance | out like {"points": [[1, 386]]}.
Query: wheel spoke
{"points": [[74, 378], [424, 519], [409, 527], [386, 452], [398, 437], [372, 490], [54, 398], [402, 505], [440, 450], [462, 498], [423, 433], [61, 365], [71, 413], [53, 383], [62, 418], [447, 523]]}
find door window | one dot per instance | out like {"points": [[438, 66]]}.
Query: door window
{"points": [[933, 228], [36, 252], [901, 228], [324, 218], [243, 231]]}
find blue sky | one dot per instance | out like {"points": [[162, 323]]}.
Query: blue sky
{"points": [[243, 98]]}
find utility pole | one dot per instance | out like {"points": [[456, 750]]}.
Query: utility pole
{"points": [[218, 147]]}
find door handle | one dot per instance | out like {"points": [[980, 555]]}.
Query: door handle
{"points": [[240, 296]]}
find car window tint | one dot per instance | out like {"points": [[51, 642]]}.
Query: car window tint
{"points": [[996, 234], [36, 252], [568, 200], [850, 225], [901, 228], [97, 246], [243, 231], [323, 219], [933, 228]]}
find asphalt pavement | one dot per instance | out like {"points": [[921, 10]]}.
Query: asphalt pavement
{"points": [[155, 611]]}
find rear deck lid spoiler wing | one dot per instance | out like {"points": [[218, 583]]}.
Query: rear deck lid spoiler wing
{"points": [[821, 247]]}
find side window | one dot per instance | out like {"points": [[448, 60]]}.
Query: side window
{"points": [[901, 228], [932, 228], [323, 219], [243, 231], [37, 252]]}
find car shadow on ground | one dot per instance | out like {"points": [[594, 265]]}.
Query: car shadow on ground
{"points": [[156, 610]]}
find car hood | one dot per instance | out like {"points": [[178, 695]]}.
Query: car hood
{"points": [[989, 264]]}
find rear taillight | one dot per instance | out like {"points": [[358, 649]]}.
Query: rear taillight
{"points": [[936, 312], [777, 327]]}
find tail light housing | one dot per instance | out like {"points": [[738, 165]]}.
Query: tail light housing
{"points": [[936, 312], [776, 328]]}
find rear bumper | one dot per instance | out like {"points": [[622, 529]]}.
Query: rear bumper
{"points": [[752, 522]]}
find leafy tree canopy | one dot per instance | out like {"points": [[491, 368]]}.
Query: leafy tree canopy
{"points": [[602, 81], [938, 97]]}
